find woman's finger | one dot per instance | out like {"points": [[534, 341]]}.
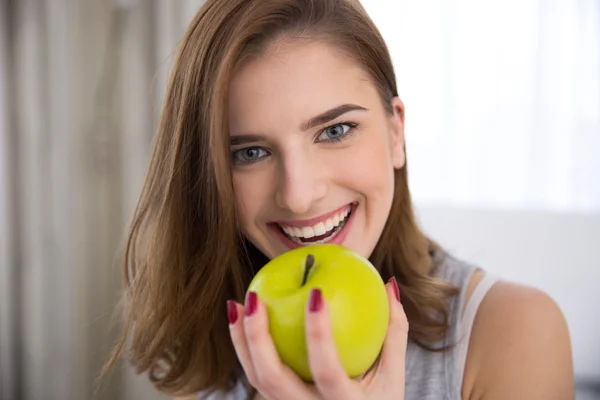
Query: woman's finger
{"points": [[326, 368], [271, 377], [393, 354], [235, 313]]}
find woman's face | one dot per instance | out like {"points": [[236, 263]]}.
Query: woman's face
{"points": [[313, 150]]}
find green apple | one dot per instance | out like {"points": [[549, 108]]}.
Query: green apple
{"points": [[355, 295]]}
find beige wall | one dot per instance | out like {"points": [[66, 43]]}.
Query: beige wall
{"points": [[555, 252]]}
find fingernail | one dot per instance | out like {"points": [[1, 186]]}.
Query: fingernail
{"points": [[315, 301], [396, 289], [232, 313], [251, 303]]}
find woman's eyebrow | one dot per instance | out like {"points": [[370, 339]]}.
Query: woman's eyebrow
{"points": [[320, 119], [244, 139], [330, 115]]}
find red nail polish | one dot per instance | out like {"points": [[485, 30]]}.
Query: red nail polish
{"points": [[251, 303], [232, 313], [315, 301], [396, 289]]}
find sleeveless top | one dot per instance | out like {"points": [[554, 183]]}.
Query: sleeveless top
{"points": [[434, 375], [439, 375]]}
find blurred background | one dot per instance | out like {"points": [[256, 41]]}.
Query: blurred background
{"points": [[503, 134]]}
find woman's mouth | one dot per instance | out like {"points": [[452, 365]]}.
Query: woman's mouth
{"points": [[321, 232]]}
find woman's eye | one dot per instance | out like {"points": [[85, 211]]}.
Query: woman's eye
{"points": [[335, 132], [249, 155]]}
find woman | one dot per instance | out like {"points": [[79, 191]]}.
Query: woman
{"points": [[282, 127]]}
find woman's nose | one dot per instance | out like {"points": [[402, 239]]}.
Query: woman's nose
{"points": [[301, 184]]}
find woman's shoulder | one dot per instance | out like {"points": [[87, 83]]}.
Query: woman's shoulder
{"points": [[519, 345], [517, 338]]}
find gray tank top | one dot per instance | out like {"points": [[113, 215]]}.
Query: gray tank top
{"points": [[439, 375], [434, 375]]}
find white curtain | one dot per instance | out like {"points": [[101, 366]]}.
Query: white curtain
{"points": [[502, 100], [81, 84]]}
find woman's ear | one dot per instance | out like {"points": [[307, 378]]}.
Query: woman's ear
{"points": [[397, 132]]}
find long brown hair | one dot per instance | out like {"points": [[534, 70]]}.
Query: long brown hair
{"points": [[185, 255]]}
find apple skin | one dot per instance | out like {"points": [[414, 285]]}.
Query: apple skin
{"points": [[355, 294]]}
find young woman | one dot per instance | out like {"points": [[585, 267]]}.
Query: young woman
{"points": [[282, 127]]}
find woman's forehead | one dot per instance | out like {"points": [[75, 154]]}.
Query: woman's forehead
{"points": [[296, 81]]}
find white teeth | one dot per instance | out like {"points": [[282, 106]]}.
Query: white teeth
{"points": [[336, 220], [308, 232], [318, 229], [296, 231], [329, 225]]}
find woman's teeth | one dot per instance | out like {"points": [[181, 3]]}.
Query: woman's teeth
{"points": [[322, 230]]}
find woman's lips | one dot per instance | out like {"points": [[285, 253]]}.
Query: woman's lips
{"points": [[339, 238], [315, 220]]}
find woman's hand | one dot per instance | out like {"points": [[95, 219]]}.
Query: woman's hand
{"points": [[256, 351]]}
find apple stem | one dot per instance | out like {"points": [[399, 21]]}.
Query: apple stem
{"points": [[308, 264]]}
